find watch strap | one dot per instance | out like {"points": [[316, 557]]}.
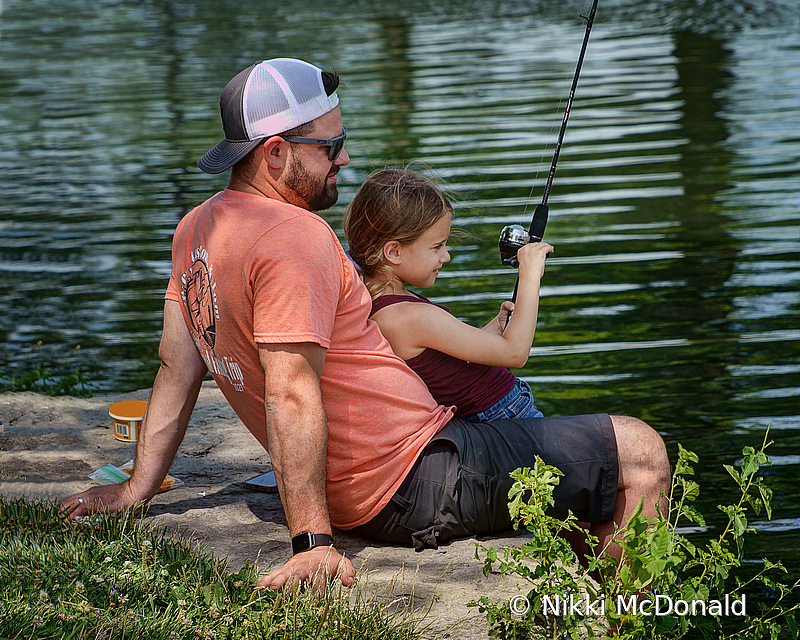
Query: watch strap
{"points": [[305, 541]]}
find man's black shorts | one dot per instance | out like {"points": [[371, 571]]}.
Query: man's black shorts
{"points": [[459, 485]]}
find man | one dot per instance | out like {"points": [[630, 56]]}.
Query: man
{"points": [[263, 296]]}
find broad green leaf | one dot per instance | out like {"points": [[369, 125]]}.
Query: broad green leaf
{"points": [[694, 515], [691, 490], [739, 525], [685, 454], [749, 467], [734, 474], [665, 624], [659, 542], [766, 498]]}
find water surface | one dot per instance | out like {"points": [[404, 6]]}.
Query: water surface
{"points": [[673, 293]]}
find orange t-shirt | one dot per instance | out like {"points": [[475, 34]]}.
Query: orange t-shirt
{"points": [[248, 269]]}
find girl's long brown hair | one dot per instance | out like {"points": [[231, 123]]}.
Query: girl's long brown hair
{"points": [[392, 204]]}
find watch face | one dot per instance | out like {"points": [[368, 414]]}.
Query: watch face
{"points": [[301, 542], [305, 541]]}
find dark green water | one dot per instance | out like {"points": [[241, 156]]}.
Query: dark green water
{"points": [[673, 294]]}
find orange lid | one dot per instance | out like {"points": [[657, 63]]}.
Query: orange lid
{"points": [[128, 410]]}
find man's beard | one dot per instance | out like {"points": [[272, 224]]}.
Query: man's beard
{"points": [[310, 193]]}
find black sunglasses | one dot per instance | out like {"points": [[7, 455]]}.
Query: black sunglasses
{"points": [[335, 145]]}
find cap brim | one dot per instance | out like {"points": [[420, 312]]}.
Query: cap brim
{"points": [[225, 154]]}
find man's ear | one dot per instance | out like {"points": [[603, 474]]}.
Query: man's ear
{"points": [[275, 151], [393, 252]]}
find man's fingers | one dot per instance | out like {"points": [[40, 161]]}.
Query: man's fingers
{"points": [[283, 577], [274, 579], [105, 499], [75, 507], [316, 566], [319, 580], [336, 567], [346, 572]]}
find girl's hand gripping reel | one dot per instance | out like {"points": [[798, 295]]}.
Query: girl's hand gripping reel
{"points": [[513, 237]]}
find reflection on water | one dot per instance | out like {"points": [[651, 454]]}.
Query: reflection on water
{"points": [[673, 293]]}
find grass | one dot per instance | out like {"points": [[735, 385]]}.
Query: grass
{"points": [[115, 576]]}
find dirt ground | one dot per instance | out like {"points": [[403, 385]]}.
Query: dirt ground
{"points": [[49, 446]]}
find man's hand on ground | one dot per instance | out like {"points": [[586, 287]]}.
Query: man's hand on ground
{"points": [[317, 566], [105, 499]]}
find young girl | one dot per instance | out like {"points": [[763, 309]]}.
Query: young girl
{"points": [[397, 227]]}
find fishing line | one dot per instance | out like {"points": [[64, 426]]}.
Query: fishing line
{"points": [[513, 237], [551, 130]]}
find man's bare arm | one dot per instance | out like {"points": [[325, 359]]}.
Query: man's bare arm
{"points": [[298, 439], [171, 402]]}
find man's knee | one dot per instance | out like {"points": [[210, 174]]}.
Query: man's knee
{"points": [[640, 449]]}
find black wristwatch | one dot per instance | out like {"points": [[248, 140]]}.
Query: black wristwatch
{"points": [[305, 541]]}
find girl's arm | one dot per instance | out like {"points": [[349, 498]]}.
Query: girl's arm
{"points": [[412, 327]]}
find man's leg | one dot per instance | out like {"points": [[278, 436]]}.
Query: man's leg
{"points": [[610, 463], [644, 475]]}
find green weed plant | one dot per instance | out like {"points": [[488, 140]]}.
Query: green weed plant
{"points": [[667, 586], [40, 379], [114, 576]]}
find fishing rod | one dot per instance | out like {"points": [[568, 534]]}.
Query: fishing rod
{"points": [[514, 236]]}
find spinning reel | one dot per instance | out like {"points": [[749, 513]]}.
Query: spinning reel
{"points": [[513, 237]]}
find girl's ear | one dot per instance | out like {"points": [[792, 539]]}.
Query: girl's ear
{"points": [[392, 252]]}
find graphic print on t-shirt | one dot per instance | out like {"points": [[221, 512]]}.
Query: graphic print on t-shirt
{"points": [[200, 299], [198, 292]]}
